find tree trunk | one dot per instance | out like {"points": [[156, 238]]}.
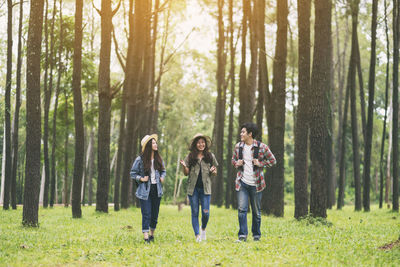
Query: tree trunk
{"points": [[342, 162], [229, 191], [302, 121], [33, 124], [78, 114], [353, 102], [218, 183], [388, 160], [15, 127], [245, 109], [53, 183], [103, 153], [395, 128], [65, 191], [91, 168], [321, 74], [381, 163], [371, 92], [3, 166], [7, 110], [133, 72], [273, 202]]}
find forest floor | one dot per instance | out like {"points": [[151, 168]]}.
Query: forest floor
{"points": [[346, 238]]}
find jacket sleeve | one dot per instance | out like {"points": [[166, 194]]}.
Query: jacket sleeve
{"points": [[235, 155], [268, 159], [163, 173], [135, 171]]}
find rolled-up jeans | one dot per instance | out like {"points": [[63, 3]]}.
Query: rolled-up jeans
{"points": [[197, 198], [150, 209], [245, 193]]}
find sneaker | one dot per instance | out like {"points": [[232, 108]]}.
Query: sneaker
{"points": [[203, 235], [198, 238], [256, 238], [151, 238], [241, 239], [147, 241]]}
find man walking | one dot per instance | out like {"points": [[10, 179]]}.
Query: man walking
{"points": [[250, 157]]}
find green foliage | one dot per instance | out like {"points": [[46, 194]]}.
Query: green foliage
{"points": [[352, 238]]}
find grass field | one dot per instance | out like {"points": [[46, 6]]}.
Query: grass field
{"points": [[348, 238]]}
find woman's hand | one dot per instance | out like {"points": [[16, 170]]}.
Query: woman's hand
{"points": [[213, 170], [162, 180], [144, 179], [182, 162]]}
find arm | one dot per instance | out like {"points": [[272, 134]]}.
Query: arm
{"points": [[185, 164], [235, 157], [163, 173], [268, 159], [214, 166], [135, 171]]}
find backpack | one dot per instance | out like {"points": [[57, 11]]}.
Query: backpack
{"points": [[255, 153]]}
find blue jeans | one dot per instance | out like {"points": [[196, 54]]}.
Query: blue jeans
{"points": [[245, 192], [150, 209], [197, 198]]}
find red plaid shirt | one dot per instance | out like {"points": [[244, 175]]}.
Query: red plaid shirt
{"points": [[266, 159]]}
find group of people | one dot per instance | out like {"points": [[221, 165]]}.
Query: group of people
{"points": [[200, 165]]}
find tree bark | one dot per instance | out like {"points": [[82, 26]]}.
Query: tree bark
{"points": [[302, 121], [395, 128], [103, 153], [321, 74], [78, 114], [381, 163], [7, 110], [274, 201], [66, 118], [15, 127], [371, 92], [33, 124]]}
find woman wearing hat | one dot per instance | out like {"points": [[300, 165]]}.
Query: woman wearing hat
{"points": [[149, 173], [200, 165]]}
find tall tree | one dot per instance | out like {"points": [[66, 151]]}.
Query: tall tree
{"points": [[53, 182], [273, 203], [352, 83], [132, 74], [381, 163], [245, 108], [302, 123], [66, 156], [33, 124], [105, 97], [395, 121], [320, 82], [220, 108], [15, 126], [7, 110], [371, 92], [229, 195], [78, 113]]}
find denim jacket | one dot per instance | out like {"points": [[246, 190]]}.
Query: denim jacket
{"points": [[143, 190]]}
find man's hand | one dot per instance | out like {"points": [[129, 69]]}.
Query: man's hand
{"points": [[239, 163], [162, 180], [256, 163]]}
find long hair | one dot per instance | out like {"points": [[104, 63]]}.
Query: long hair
{"points": [[194, 152], [146, 157]]}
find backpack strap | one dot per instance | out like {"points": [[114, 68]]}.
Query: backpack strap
{"points": [[256, 150]]}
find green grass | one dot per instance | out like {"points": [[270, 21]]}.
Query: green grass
{"points": [[349, 238]]}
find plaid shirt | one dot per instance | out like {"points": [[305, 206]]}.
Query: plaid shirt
{"points": [[266, 159]]}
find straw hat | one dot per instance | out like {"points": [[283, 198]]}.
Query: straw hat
{"points": [[146, 139], [207, 138]]}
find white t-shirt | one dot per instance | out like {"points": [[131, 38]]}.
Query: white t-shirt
{"points": [[153, 173], [248, 174]]}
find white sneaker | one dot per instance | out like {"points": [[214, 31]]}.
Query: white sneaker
{"points": [[203, 234], [198, 238]]}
